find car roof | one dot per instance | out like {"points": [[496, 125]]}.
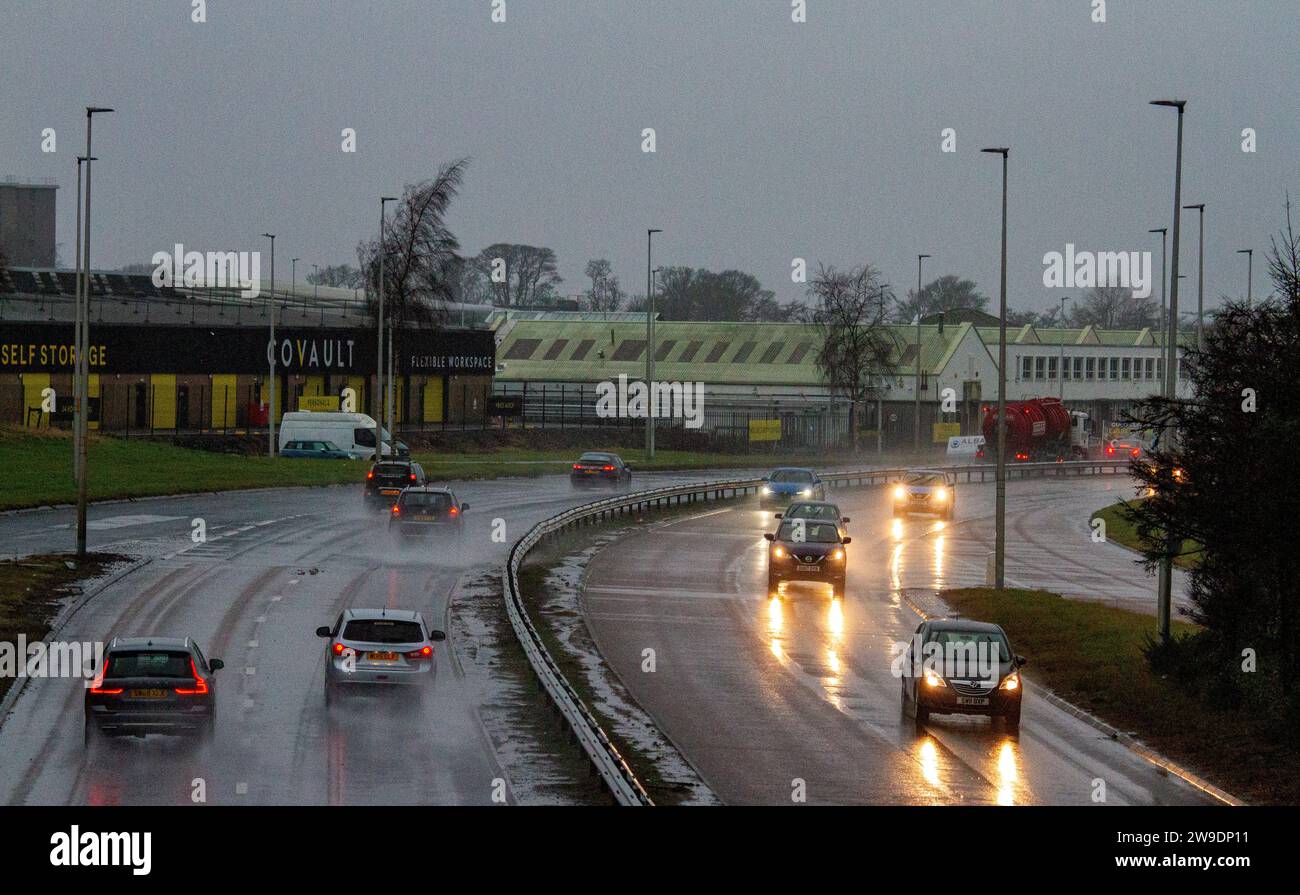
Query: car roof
{"points": [[399, 615], [792, 469], [428, 489], [145, 642], [811, 503], [965, 624]]}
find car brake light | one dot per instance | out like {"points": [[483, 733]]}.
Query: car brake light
{"points": [[422, 653], [577, 466], [1134, 452], [608, 468], [200, 685], [338, 648], [412, 476], [1110, 449], [97, 685], [453, 511], [370, 474], [397, 511]]}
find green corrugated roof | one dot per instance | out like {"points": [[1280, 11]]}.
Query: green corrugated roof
{"points": [[785, 338]]}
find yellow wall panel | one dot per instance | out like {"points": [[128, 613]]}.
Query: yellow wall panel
{"points": [[433, 400], [225, 396], [162, 387]]}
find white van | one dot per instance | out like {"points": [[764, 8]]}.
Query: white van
{"points": [[351, 432]]}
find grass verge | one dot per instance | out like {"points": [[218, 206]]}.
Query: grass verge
{"points": [[1091, 655], [1121, 530], [32, 590], [38, 467]]}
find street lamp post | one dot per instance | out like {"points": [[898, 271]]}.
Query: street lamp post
{"points": [[81, 369], [916, 410], [1000, 527], [649, 346], [379, 353], [1250, 270], [1164, 235], [1200, 277], [293, 279], [270, 382], [1165, 593], [1060, 367], [78, 339]]}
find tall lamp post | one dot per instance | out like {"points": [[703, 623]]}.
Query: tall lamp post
{"points": [[1250, 270], [1200, 276], [1000, 499], [379, 352], [916, 410], [649, 346], [81, 369], [1060, 367], [1164, 237], [1165, 592], [270, 382], [293, 278], [78, 339]]}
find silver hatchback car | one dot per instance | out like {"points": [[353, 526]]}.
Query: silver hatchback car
{"points": [[378, 647]]}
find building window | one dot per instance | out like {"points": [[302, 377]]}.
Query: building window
{"points": [[1065, 368], [1160, 368], [1078, 368], [1026, 366], [1090, 368], [1051, 368], [1126, 368], [1039, 367], [1148, 367], [1114, 368]]}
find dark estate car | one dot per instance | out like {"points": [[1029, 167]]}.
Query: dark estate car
{"points": [[422, 510], [818, 510], [600, 468], [152, 685], [807, 550], [314, 450], [386, 480], [963, 667]]}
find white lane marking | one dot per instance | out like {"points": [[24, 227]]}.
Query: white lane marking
{"points": [[250, 670], [241, 789], [248, 702], [665, 591], [252, 644], [275, 598], [112, 522], [260, 619]]}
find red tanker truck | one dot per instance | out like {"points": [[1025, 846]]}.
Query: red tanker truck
{"points": [[1038, 430]]}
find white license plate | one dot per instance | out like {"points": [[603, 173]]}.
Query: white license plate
{"points": [[807, 568], [972, 700]]}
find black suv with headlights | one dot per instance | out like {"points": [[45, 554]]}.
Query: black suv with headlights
{"points": [[962, 667], [807, 550], [388, 478]]}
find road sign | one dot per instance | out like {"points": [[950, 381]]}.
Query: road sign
{"points": [[318, 403], [944, 431], [505, 405]]}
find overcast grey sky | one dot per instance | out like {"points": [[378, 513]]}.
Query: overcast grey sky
{"points": [[776, 140]]}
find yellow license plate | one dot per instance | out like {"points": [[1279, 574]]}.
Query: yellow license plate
{"points": [[148, 694], [382, 657], [390, 491], [423, 518]]}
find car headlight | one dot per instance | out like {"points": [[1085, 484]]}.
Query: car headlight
{"points": [[806, 492], [940, 494], [900, 493], [767, 490], [1010, 682], [933, 680], [839, 554], [778, 552]]}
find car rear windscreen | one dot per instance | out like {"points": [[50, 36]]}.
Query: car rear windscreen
{"points": [[382, 630], [149, 664], [392, 469], [418, 500], [596, 458]]}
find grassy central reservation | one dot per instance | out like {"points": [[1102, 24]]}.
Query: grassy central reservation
{"points": [[38, 467], [1090, 654]]}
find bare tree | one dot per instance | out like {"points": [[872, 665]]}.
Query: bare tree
{"points": [[1284, 260], [1114, 307], [856, 355], [605, 294]]}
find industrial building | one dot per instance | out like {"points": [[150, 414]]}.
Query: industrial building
{"points": [[27, 216]]}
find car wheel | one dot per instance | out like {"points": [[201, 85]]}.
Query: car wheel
{"points": [[1012, 721], [922, 714]]}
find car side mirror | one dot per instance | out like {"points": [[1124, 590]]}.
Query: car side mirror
{"points": [[438, 636], [1021, 660], [768, 536], [216, 664], [845, 519], [323, 631], [627, 466], [847, 541], [776, 515], [464, 507]]}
